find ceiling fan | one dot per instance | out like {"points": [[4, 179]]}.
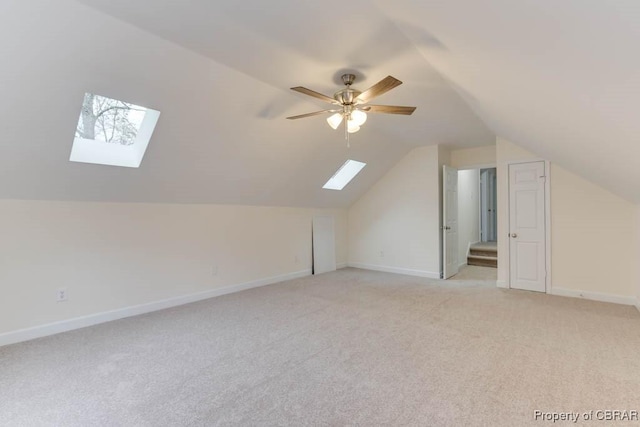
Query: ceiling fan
{"points": [[351, 104]]}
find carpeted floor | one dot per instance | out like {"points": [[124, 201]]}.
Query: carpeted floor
{"points": [[478, 273], [352, 347]]}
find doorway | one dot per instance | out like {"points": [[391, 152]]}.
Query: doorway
{"points": [[488, 205], [477, 258]]}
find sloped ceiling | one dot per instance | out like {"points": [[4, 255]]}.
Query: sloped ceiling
{"points": [[220, 74], [559, 78]]}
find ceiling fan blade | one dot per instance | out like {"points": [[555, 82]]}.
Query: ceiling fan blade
{"points": [[315, 94], [389, 109], [315, 113], [378, 89]]}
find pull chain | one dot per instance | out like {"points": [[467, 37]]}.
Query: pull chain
{"points": [[346, 129]]}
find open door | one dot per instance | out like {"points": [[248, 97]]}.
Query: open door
{"points": [[450, 262]]}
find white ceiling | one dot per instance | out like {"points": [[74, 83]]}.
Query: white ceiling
{"points": [[559, 78]]}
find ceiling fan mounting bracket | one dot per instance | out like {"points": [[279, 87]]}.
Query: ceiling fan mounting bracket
{"points": [[348, 79]]}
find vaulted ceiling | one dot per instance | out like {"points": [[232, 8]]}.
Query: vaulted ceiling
{"points": [[558, 78]]}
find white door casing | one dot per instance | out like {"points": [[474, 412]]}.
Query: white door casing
{"points": [[324, 246], [450, 263], [527, 227]]}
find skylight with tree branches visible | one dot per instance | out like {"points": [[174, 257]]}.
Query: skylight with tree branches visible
{"points": [[112, 132]]}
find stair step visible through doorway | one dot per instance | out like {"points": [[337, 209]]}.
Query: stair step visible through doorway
{"points": [[484, 254]]}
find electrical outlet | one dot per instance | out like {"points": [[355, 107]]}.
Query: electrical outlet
{"points": [[381, 254], [296, 259], [61, 295], [214, 270]]}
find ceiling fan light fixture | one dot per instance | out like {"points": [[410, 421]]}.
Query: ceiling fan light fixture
{"points": [[335, 120], [358, 117], [349, 106]]}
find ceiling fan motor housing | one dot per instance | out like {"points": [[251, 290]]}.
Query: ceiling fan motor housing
{"points": [[347, 96]]}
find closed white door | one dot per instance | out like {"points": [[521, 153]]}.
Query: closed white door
{"points": [[449, 221], [527, 228], [324, 246]]}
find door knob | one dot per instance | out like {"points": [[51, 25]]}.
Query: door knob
{"points": [[514, 235]]}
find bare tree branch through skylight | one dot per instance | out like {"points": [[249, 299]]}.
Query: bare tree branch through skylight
{"points": [[109, 120]]}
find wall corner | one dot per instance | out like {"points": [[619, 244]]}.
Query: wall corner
{"points": [[637, 255]]}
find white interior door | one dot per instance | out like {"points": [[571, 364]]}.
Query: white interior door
{"points": [[527, 228], [449, 221], [324, 246]]}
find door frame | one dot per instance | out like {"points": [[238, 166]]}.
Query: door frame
{"points": [[547, 221]]}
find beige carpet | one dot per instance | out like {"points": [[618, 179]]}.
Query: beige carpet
{"points": [[345, 348], [477, 273]]}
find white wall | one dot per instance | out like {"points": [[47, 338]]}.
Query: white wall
{"points": [[395, 225], [637, 255], [110, 256], [474, 157], [592, 232], [468, 211], [592, 239]]}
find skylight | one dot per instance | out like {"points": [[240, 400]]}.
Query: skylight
{"points": [[344, 175], [112, 132]]}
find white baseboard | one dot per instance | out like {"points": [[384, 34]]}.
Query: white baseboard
{"points": [[341, 265], [107, 316], [638, 303], [502, 284], [594, 296], [396, 270]]}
